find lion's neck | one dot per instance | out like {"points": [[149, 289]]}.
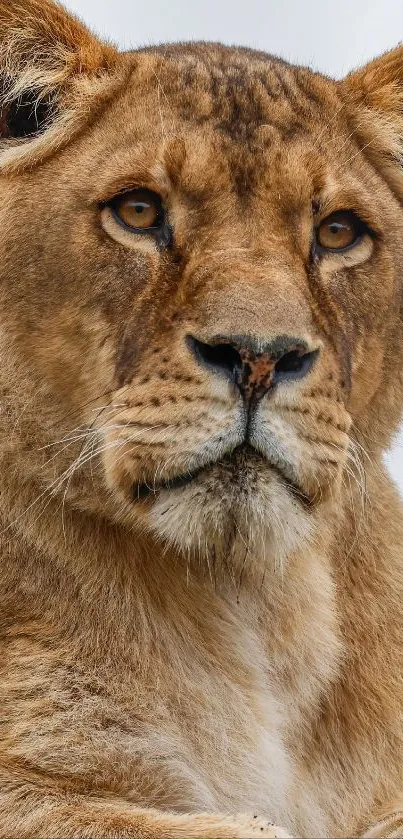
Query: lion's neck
{"points": [[126, 587]]}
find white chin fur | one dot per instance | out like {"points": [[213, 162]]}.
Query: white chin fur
{"points": [[252, 525]]}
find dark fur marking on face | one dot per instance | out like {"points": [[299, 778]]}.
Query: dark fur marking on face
{"points": [[330, 319], [130, 352]]}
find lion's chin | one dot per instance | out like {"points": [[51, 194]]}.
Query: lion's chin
{"points": [[240, 511]]}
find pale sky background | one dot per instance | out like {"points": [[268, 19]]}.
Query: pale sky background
{"points": [[332, 36]]}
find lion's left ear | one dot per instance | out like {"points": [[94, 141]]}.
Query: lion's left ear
{"points": [[53, 73], [373, 98]]}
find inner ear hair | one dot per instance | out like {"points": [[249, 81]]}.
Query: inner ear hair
{"points": [[26, 116]]}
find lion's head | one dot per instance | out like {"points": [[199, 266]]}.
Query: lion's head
{"points": [[200, 251]]}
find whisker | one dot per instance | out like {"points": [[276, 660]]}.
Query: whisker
{"points": [[80, 408], [350, 159], [327, 125]]}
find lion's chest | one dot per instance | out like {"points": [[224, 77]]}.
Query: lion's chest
{"points": [[201, 729], [189, 723]]}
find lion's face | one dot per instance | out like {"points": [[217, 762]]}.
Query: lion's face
{"points": [[203, 286]]}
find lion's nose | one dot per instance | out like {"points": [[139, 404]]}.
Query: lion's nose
{"points": [[255, 367]]}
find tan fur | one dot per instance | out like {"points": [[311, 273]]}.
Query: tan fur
{"points": [[207, 660]]}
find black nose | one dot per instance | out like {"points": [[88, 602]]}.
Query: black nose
{"points": [[253, 368]]}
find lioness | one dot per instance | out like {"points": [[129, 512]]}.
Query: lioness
{"points": [[201, 589]]}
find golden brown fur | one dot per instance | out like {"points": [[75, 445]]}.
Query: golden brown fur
{"points": [[202, 660]]}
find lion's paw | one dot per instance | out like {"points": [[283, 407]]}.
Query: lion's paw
{"points": [[251, 827], [256, 826]]}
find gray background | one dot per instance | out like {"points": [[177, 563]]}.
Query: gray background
{"points": [[332, 36]]}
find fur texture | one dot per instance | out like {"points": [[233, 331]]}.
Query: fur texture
{"points": [[206, 659]]}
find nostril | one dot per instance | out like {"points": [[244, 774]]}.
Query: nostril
{"points": [[294, 364], [223, 358], [290, 362]]}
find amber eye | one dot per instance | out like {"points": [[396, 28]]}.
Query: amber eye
{"points": [[339, 232], [140, 210]]}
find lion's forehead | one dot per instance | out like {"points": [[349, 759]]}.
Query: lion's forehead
{"points": [[236, 90], [250, 116]]}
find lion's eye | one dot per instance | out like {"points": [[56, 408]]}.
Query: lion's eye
{"points": [[339, 232], [140, 210]]}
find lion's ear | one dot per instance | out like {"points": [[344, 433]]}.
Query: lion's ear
{"points": [[373, 97], [51, 69]]}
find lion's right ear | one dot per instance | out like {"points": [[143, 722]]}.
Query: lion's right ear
{"points": [[53, 74], [373, 96]]}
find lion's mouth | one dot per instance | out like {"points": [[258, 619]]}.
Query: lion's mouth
{"points": [[234, 465], [143, 490]]}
